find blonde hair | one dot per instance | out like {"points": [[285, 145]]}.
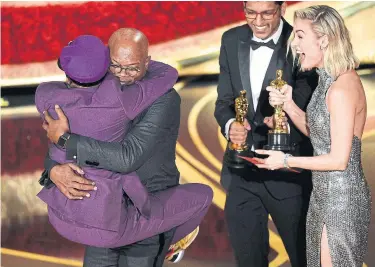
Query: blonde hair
{"points": [[339, 56]]}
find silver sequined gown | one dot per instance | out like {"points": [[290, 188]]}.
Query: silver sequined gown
{"points": [[340, 199]]}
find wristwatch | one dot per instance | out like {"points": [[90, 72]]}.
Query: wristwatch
{"points": [[63, 140]]}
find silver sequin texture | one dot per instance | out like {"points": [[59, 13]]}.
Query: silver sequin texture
{"points": [[340, 199]]}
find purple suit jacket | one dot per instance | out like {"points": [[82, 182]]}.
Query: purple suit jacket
{"points": [[102, 112]]}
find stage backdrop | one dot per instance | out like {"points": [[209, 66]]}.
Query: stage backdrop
{"points": [[184, 34]]}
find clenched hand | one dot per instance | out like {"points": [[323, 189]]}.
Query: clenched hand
{"points": [[238, 132]]}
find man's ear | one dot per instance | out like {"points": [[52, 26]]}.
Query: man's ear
{"points": [[283, 9], [147, 62]]}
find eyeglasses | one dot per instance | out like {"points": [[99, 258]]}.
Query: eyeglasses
{"points": [[265, 15], [130, 71]]}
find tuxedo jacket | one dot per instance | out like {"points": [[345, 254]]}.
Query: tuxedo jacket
{"points": [[234, 76]]}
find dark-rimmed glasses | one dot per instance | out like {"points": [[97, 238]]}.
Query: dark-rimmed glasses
{"points": [[129, 70], [265, 15]]}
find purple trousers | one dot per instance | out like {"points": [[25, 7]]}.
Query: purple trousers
{"points": [[182, 207]]}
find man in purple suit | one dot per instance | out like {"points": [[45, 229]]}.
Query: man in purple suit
{"points": [[104, 125]]}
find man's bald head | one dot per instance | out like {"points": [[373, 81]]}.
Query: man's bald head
{"points": [[131, 37], [129, 48]]}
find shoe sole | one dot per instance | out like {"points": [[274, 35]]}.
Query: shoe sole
{"points": [[181, 251], [195, 234], [179, 257]]}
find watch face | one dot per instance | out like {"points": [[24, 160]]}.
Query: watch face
{"points": [[62, 141]]}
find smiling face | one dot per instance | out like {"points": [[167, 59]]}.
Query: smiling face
{"points": [[308, 45], [263, 17], [322, 40]]}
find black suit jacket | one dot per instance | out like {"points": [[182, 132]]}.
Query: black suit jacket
{"points": [[149, 148], [234, 76]]}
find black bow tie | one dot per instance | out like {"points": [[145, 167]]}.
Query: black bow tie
{"points": [[255, 45]]}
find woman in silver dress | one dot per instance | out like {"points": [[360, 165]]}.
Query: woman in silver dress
{"points": [[340, 206]]}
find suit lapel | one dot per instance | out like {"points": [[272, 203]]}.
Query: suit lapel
{"points": [[244, 66], [278, 61]]}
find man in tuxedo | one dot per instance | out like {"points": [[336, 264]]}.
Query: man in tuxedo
{"points": [[249, 57]]}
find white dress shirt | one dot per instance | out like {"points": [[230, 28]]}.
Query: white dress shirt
{"points": [[259, 61]]}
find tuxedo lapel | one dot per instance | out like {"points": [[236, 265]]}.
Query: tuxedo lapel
{"points": [[278, 61], [244, 66]]}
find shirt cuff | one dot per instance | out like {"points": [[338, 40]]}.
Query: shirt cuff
{"points": [[71, 147], [227, 126], [45, 179]]}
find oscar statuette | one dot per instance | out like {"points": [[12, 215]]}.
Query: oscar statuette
{"points": [[278, 138], [235, 151]]}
